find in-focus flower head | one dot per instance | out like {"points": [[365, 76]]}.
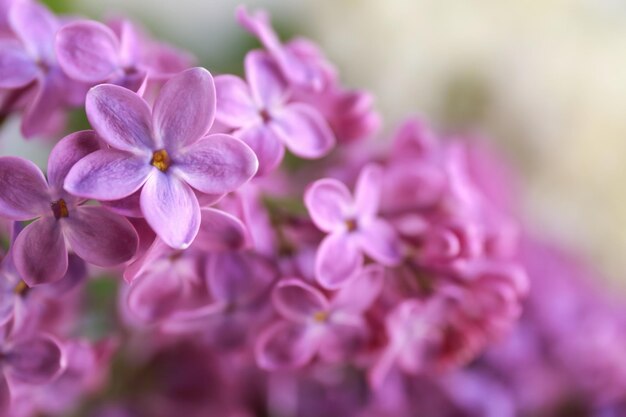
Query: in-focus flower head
{"points": [[164, 151]]}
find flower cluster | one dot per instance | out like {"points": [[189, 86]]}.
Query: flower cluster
{"points": [[343, 279]]}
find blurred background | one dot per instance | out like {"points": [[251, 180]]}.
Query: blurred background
{"points": [[544, 80]]}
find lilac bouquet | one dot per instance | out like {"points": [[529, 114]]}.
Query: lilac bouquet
{"points": [[229, 246]]}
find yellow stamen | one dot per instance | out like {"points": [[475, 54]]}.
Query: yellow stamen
{"points": [[21, 288], [59, 209], [351, 225], [320, 316], [161, 160]]}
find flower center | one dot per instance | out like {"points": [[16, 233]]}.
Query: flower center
{"points": [[265, 115], [59, 209], [161, 160], [21, 288], [351, 225], [320, 316]]}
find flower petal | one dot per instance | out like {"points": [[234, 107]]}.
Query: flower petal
{"points": [[39, 252], [24, 192], [185, 108], [108, 175], [268, 148], [5, 396], [36, 26], [285, 345], [235, 107], [155, 296], [337, 261], [87, 51], [216, 164], [368, 189], [239, 277], [44, 114], [17, 68], [127, 206], [258, 24], [342, 341], [304, 131], [359, 294], [121, 117], [75, 275], [379, 240], [99, 236], [329, 203], [171, 209], [268, 86], [296, 300], [151, 249], [219, 231], [68, 152], [36, 360], [7, 305]]}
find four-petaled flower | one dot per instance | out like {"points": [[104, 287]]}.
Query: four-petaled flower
{"points": [[165, 150], [261, 115], [352, 225], [311, 324], [95, 234]]}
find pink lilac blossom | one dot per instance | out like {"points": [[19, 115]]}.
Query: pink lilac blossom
{"points": [[263, 117], [170, 265], [312, 324], [352, 225]]}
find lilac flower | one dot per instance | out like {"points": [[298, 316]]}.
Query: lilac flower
{"points": [[28, 68], [262, 116], [164, 152], [17, 299], [92, 52], [93, 233], [352, 226], [455, 323], [167, 282], [415, 178], [314, 80], [298, 64], [84, 374], [36, 359], [349, 113], [314, 325], [239, 284]]}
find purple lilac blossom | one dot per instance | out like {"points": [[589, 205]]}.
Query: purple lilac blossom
{"points": [[29, 71], [164, 151], [40, 251], [290, 295]]}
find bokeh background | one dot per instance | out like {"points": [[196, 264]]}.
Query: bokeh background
{"points": [[544, 80]]}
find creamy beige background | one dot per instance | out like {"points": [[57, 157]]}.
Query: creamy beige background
{"points": [[545, 79]]}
